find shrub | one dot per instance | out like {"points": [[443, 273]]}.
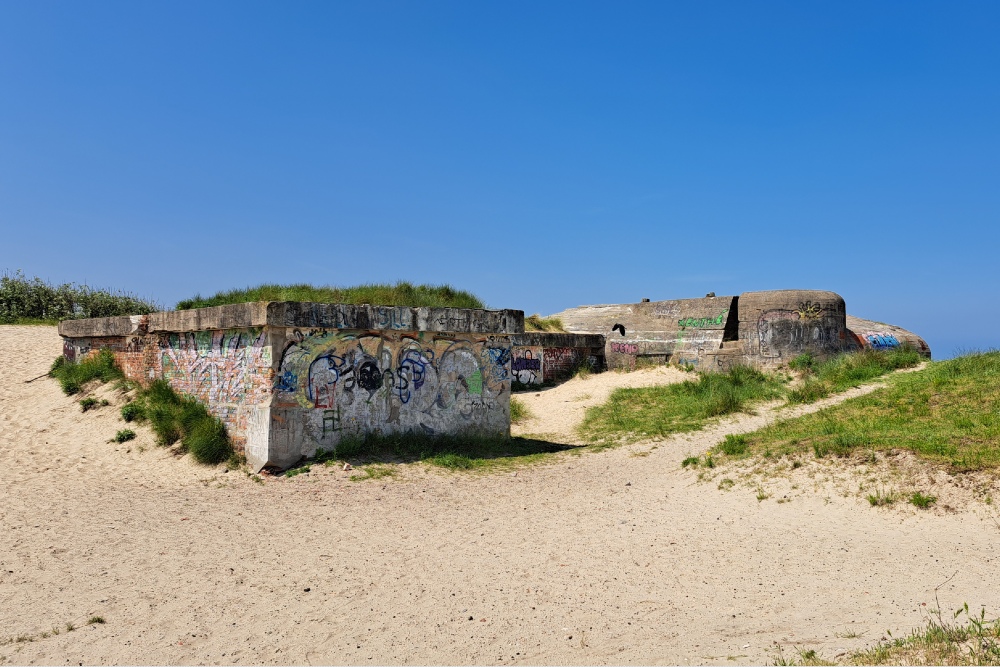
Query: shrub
{"points": [[24, 299], [88, 404], [208, 441], [133, 411], [124, 435], [72, 376]]}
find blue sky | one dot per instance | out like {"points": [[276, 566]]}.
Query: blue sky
{"points": [[541, 155]]}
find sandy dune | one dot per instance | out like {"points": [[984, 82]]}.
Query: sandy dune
{"points": [[596, 558]]}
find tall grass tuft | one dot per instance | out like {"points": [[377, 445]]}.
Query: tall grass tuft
{"points": [[538, 323], [72, 376], [32, 300], [376, 294], [176, 418]]}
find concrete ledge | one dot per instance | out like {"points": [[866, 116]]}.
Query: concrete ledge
{"points": [[546, 339], [306, 315], [126, 325]]}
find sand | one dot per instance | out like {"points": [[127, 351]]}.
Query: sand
{"points": [[620, 556]]}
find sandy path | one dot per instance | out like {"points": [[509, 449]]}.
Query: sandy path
{"points": [[599, 558]]}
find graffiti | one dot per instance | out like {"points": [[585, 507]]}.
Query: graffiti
{"points": [[783, 333], [69, 350], [224, 369], [377, 381], [526, 365], [625, 348], [703, 321], [331, 421], [561, 362], [881, 341], [809, 310], [619, 328]]}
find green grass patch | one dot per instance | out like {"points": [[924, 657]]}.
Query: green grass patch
{"points": [[124, 435], [400, 294], [847, 370], [26, 300], [947, 413], [88, 404], [519, 412], [538, 323], [921, 500], [72, 376], [633, 413]]}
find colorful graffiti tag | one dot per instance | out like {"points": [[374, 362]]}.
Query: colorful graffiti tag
{"points": [[224, 369], [381, 381], [703, 321]]}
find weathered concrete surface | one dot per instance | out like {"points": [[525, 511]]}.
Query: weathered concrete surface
{"points": [[881, 336], [776, 326], [538, 357], [678, 331], [290, 378], [302, 315]]}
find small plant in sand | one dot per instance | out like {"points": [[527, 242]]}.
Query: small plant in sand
{"points": [[88, 404], [922, 501], [124, 435]]}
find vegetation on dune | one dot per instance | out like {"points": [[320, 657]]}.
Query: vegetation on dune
{"points": [[34, 301], [847, 370], [662, 410], [544, 324], [172, 417], [947, 413], [72, 377], [400, 294]]}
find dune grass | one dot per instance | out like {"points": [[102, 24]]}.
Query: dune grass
{"points": [[26, 300], [847, 370], [400, 294], [174, 418], [947, 413], [687, 406], [545, 324], [72, 376], [519, 412]]}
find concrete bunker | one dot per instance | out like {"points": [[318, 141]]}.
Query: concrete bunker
{"points": [[288, 379], [713, 333]]}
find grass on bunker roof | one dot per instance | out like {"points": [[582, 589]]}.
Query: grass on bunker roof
{"points": [[376, 294], [947, 413]]}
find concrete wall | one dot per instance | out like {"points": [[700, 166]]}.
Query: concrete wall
{"points": [[680, 331], [765, 329], [881, 336], [289, 378], [538, 357]]}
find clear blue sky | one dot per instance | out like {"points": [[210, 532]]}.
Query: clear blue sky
{"points": [[541, 155]]}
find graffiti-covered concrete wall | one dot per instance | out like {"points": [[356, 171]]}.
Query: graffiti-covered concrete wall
{"points": [[714, 333], [290, 378], [538, 358]]}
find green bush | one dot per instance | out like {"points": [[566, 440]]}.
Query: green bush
{"points": [[208, 441], [34, 300], [133, 412], [124, 435]]}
